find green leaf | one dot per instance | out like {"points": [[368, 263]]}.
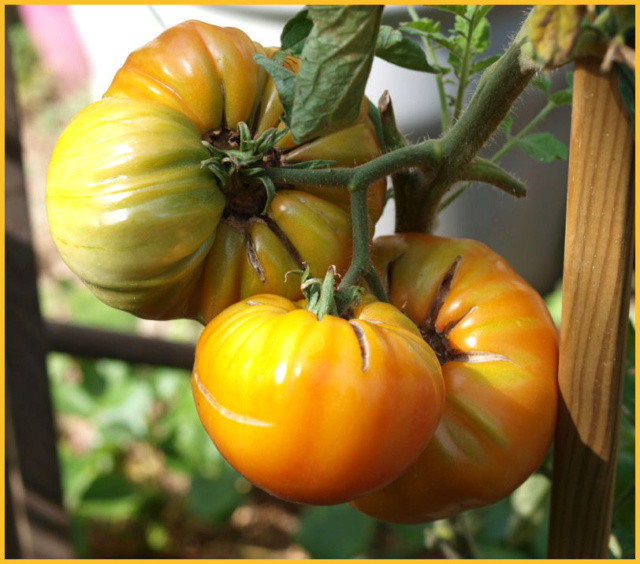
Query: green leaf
{"points": [[335, 65], [481, 11], [565, 96], [376, 120], [554, 303], [629, 397], [625, 19], [409, 537], [540, 540], [73, 399], [336, 531], [507, 124], [430, 30], [460, 10], [284, 79], [424, 27], [627, 82], [123, 410], [215, 499], [490, 523], [168, 383], [80, 537], [111, 498], [542, 83], [157, 536], [295, 32], [496, 551], [399, 50], [526, 499], [543, 147], [482, 64], [561, 97], [94, 381], [185, 435], [80, 471], [480, 35]]}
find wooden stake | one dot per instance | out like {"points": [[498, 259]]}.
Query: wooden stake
{"points": [[596, 294]]}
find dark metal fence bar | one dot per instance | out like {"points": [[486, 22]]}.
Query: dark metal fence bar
{"points": [[98, 343], [36, 525]]}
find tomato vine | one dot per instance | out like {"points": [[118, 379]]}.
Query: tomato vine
{"points": [[423, 174]]}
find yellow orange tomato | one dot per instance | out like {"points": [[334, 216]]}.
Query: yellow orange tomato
{"points": [[148, 229], [316, 411], [499, 352]]}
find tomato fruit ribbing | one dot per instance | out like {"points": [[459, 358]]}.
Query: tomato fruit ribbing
{"points": [[498, 348], [151, 231], [316, 411]]}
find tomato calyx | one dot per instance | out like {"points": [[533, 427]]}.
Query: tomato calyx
{"points": [[325, 298], [238, 161], [438, 339]]}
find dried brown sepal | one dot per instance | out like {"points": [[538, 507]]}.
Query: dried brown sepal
{"points": [[554, 32]]}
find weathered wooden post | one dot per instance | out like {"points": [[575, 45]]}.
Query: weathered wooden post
{"points": [[596, 292]]}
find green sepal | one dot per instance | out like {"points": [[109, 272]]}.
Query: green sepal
{"points": [[270, 188], [324, 298]]}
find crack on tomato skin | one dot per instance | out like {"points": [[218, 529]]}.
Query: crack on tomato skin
{"points": [[254, 259], [389, 274], [363, 343], [232, 415], [284, 239], [453, 324], [438, 339], [475, 357], [442, 293], [242, 226]]}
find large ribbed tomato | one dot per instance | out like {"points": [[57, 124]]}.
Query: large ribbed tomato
{"points": [[150, 231], [498, 348], [316, 411]]}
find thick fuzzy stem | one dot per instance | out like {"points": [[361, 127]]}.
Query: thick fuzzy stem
{"points": [[498, 89], [361, 265]]}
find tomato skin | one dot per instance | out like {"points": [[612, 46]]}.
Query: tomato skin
{"points": [[291, 404], [133, 214], [500, 412], [137, 219]]}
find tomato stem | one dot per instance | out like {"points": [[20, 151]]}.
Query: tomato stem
{"points": [[361, 264], [431, 168], [324, 298]]}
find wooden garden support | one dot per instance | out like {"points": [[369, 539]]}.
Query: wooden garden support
{"points": [[596, 293]]}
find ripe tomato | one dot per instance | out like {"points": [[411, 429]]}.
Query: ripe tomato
{"points": [[316, 411], [152, 233], [498, 348]]}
